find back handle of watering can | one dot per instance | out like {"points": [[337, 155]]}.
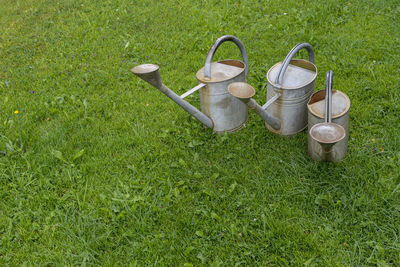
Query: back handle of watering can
{"points": [[289, 57], [218, 42], [328, 94]]}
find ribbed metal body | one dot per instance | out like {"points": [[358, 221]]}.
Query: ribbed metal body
{"points": [[291, 107]]}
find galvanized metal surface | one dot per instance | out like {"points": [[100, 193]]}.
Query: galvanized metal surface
{"points": [[328, 133], [294, 80], [227, 112], [340, 115], [244, 92], [188, 107], [295, 76], [221, 71], [271, 100], [150, 73], [291, 54], [191, 91]]}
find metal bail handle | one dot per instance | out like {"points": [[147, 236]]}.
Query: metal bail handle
{"points": [[328, 96], [218, 42], [289, 57]]}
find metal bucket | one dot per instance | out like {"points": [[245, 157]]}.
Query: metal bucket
{"points": [[290, 85], [227, 112], [340, 115]]}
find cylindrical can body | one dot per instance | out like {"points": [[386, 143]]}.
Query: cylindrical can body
{"points": [[341, 107], [227, 112], [291, 107]]}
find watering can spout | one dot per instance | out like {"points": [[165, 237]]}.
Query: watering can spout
{"points": [[244, 92], [150, 73], [327, 135]]}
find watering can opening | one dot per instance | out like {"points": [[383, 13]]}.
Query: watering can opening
{"points": [[145, 68], [233, 62], [222, 71], [340, 104], [299, 73], [241, 90], [327, 133], [148, 72]]}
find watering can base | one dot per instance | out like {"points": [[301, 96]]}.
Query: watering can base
{"points": [[228, 131], [287, 134], [234, 129], [316, 153]]}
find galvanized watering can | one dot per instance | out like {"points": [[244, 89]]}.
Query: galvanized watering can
{"points": [[290, 85], [219, 110], [317, 110]]}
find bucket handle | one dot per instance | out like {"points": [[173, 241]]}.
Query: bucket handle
{"points": [[218, 42], [289, 57], [328, 96]]}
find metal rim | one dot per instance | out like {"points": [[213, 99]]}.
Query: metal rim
{"points": [[221, 61], [249, 94], [291, 88], [340, 127], [346, 110]]}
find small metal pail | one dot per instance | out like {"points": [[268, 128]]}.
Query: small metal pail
{"points": [[290, 85], [226, 112], [340, 115]]}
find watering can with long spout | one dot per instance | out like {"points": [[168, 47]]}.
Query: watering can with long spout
{"points": [[219, 110]]}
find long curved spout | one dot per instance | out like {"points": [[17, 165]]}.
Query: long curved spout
{"points": [[244, 92], [150, 73]]}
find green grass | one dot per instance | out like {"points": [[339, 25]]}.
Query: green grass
{"points": [[99, 168]]}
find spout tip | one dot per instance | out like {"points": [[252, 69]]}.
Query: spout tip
{"points": [[150, 73], [327, 134], [241, 90], [144, 68]]}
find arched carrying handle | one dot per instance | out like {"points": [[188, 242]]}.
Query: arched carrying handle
{"points": [[289, 57], [218, 42]]}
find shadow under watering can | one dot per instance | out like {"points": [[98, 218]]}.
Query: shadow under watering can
{"points": [[219, 110]]}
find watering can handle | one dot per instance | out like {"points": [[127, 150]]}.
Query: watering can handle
{"points": [[289, 57], [328, 96], [218, 42]]}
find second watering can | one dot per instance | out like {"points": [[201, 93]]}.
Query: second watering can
{"points": [[290, 85], [219, 110]]}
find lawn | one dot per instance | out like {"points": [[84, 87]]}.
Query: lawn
{"points": [[99, 168]]}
